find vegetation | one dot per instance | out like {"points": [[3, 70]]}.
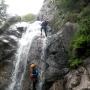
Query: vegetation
{"points": [[76, 11], [3, 8], [74, 63], [29, 18], [80, 45]]}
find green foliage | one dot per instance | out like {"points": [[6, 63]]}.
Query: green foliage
{"points": [[79, 41], [69, 5], [29, 18], [74, 63], [85, 12], [80, 45], [3, 9], [70, 10], [72, 17], [77, 11]]}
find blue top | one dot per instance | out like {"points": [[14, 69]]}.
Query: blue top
{"points": [[35, 73]]}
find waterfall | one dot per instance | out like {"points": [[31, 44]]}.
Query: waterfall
{"points": [[43, 66], [24, 45]]}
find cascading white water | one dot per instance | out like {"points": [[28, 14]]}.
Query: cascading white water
{"points": [[42, 73], [22, 55]]}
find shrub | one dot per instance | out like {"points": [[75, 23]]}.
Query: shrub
{"points": [[85, 12], [77, 11], [72, 17], [74, 63], [80, 45], [29, 18]]}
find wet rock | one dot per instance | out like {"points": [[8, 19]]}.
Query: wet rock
{"points": [[47, 11], [8, 47], [68, 32], [8, 23], [6, 72], [35, 54], [21, 29], [58, 85], [14, 33], [57, 56], [55, 60], [74, 79], [57, 44], [78, 79], [7, 52]]}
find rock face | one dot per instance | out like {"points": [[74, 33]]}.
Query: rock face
{"points": [[57, 75], [68, 32], [56, 57], [47, 11], [35, 54], [8, 23], [79, 79], [52, 59], [8, 46], [58, 85], [56, 54]]}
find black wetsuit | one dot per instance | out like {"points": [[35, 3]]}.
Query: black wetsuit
{"points": [[44, 27], [35, 75]]}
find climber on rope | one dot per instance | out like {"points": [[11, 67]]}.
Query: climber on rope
{"points": [[44, 27], [34, 75]]}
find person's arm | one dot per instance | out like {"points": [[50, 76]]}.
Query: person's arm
{"points": [[31, 72]]}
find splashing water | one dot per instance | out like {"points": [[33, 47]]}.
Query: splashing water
{"points": [[22, 55], [43, 66]]}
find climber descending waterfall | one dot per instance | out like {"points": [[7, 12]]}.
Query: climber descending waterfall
{"points": [[22, 56], [37, 71]]}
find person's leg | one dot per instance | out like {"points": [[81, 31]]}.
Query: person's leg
{"points": [[34, 87], [41, 30], [45, 30], [34, 84]]}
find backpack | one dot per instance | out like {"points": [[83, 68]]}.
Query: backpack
{"points": [[44, 23]]}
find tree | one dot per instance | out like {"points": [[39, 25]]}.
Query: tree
{"points": [[28, 18], [3, 8]]}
